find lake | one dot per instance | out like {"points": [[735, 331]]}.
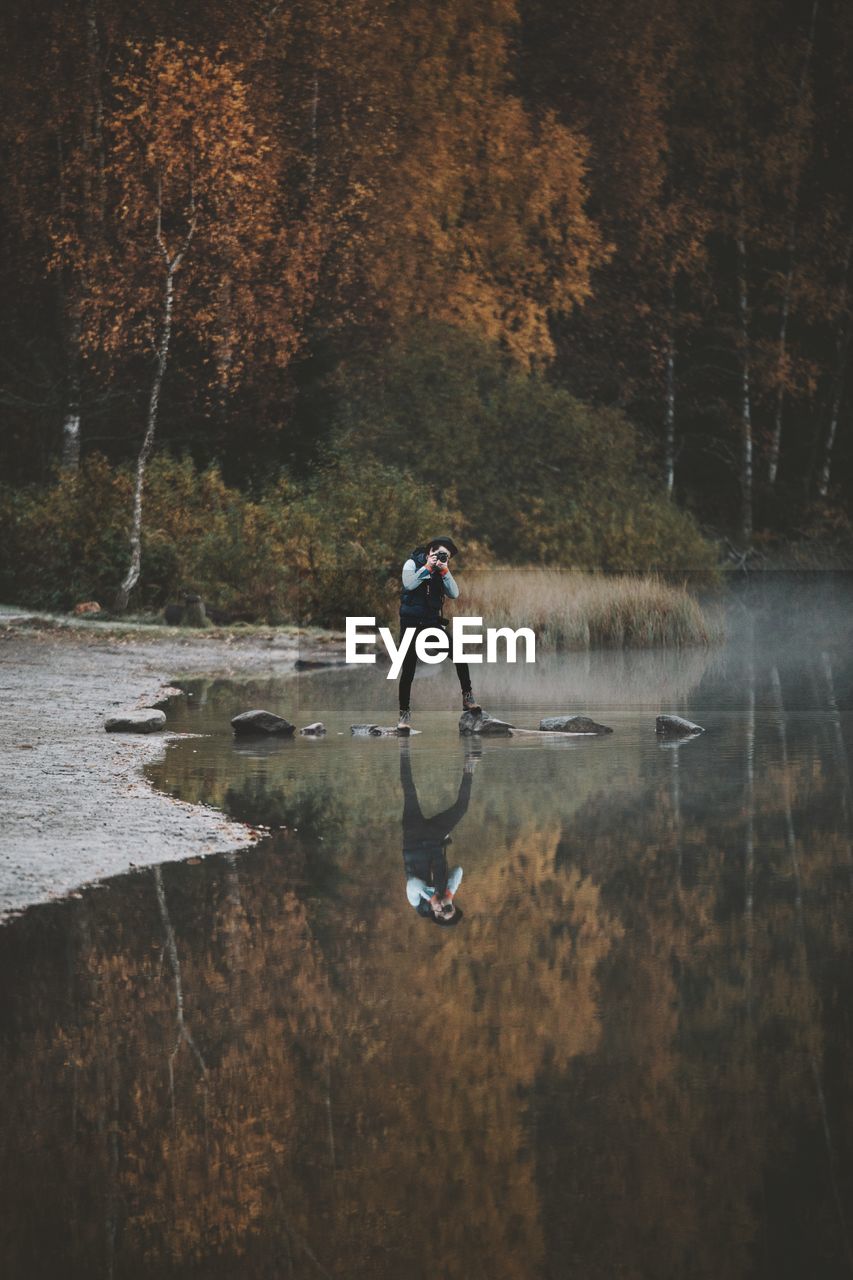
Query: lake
{"points": [[631, 1058]]}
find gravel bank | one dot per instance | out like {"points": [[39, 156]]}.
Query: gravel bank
{"points": [[75, 806]]}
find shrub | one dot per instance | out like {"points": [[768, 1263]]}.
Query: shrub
{"points": [[583, 611], [540, 476], [310, 554]]}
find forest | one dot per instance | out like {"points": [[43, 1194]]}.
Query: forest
{"points": [[286, 284]]}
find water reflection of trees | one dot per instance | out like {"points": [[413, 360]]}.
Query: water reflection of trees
{"points": [[633, 1058], [722, 1143], [343, 1102]]}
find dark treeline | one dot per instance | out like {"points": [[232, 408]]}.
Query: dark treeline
{"points": [[223, 224]]}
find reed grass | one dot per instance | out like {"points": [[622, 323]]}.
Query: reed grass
{"points": [[574, 610]]}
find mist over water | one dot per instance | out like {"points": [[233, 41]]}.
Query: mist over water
{"points": [[631, 1058]]}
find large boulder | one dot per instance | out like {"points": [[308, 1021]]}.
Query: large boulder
{"points": [[480, 722], [261, 722], [146, 720], [572, 724], [676, 727]]}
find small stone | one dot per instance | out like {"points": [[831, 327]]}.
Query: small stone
{"points": [[165, 696], [261, 722], [572, 724], [676, 727], [315, 730], [381, 731], [146, 721], [480, 722]]}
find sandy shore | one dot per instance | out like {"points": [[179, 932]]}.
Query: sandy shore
{"points": [[75, 806]]}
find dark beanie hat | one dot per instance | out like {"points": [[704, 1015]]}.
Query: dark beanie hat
{"points": [[448, 542]]}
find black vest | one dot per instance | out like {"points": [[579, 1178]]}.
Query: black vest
{"points": [[423, 603], [426, 858]]}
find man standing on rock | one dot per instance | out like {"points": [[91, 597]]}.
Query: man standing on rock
{"points": [[426, 581]]}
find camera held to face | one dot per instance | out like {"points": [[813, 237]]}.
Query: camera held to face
{"points": [[442, 557]]}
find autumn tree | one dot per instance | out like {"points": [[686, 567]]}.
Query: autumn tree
{"points": [[196, 193]]}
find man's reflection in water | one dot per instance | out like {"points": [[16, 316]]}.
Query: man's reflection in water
{"points": [[430, 888]]}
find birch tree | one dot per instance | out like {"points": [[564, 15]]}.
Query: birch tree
{"points": [[799, 129], [844, 335], [197, 201]]}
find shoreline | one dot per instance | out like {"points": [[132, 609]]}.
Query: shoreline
{"points": [[77, 808]]}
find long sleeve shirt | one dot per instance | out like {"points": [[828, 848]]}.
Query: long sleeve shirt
{"points": [[413, 577], [417, 889], [425, 841]]}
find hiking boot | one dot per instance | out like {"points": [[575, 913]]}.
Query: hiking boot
{"points": [[469, 703], [405, 721]]}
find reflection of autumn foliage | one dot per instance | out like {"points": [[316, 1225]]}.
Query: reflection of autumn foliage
{"points": [[358, 1101], [633, 1048], [449, 1030], [715, 1008]]}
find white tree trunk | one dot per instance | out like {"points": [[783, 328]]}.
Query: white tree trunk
{"points": [[132, 576], [776, 434], [825, 473], [669, 418], [71, 417], [842, 348], [749, 834], [71, 329], [791, 245], [745, 397]]}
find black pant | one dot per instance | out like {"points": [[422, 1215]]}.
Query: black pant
{"points": [[425, 840], [407, 671]]}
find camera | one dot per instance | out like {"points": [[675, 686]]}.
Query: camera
{"points": [[441, 556]]}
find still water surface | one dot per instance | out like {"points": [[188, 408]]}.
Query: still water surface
{"points": [[631, 1058]]}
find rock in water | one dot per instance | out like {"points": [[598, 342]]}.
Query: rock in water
{"points": [[381, 731], [261, 722], [146, 721], [165, 696], [315, 730], [573, 724], [676, 727], [481, 722]]}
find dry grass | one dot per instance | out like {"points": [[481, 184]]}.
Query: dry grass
{"points": [[573, 610]]}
